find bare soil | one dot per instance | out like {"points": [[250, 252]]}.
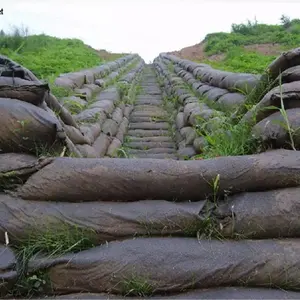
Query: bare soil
{"points": [[197, 53]]}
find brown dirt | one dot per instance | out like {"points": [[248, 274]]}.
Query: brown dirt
{"points": [[196, 52]]}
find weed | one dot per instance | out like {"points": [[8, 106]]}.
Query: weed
{"points": [[136, 286]]}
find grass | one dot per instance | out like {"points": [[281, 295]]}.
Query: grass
{"points": [[58, 240], [48, 57], [136, 286], [287, 34]]}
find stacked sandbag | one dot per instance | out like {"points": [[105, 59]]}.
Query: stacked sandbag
{"points": [[26, 122], [104, 201], [226, 88], [77, 80], [104, 120], [190, 112], [276, 116]]}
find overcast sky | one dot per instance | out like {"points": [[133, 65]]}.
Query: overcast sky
{"points": [[147, 27]]}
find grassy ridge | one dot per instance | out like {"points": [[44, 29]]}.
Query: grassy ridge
{"points": [[232, 45], [48, 56]]}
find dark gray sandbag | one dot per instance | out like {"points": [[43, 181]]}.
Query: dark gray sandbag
{"points": [[152, 139], [150, 125], [286, 60], [212, 293], [290, 75], [189, 134], [148, 145], [106, 105], [171, 265], [96, 179], [91, 131], [101, 144], [127, 111], [215, 93], [73, 104], [12, 68], [257, 215], [29, 91], [151, 151], [93, 115], [199, 144], [237, 82], [200, 116], [65, 82], [274, 129], [111, 94], [204, 89], [87, 151], [117, 115], [180, 120], [147, 133], [136, 179], [106, 221], [122, 129], [15, 168], [8, 270], [290, 93], [231, 100], [64, 114], [186, 152], [76, 136], [24, 127], [110, 127], [113, 148], [84, 93]]}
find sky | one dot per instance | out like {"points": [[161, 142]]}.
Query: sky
{"points": [[146, 27]]}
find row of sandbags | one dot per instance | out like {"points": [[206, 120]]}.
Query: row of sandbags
{"points": [[248, 215], [182, 268], [225, 98], [172, 265], [28, 122], [241, 82], [190, 112], [78, 79], [78, 179], [88, 91], [273, 127], [276, 116], [104, 122]]}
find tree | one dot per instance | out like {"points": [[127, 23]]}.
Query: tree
{"points": [[285, 21]]}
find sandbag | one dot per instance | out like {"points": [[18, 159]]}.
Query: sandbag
{"points": [[231, 100], [64, 114], [212, 293], [174, 264], [135, 179], [93, 115], [290, 96], [101, 144], [112, 150], [215, 94], [8, 272], [106, 221], [24, 127], [15, 168], [13, 69], [29, 91], [258, 215], [284, 61], [76, 136], [290, 75], [91, 131], [274, 129], [87, 151]]}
